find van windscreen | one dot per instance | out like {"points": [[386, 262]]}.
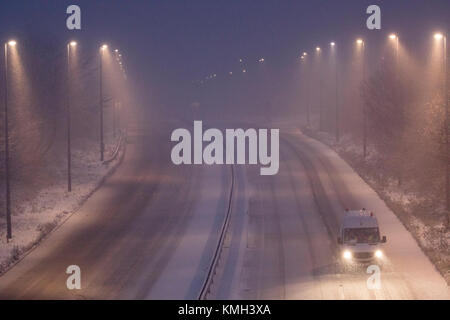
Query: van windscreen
{"points": [[361, 235]]}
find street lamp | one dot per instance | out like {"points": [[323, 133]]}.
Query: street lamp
{"points": [[333, 50], [318, 50], [397, 96], [441, 37], [395, 38], [11, 43], [102, 146], [304, 60], [361, 44], [71, 44]]}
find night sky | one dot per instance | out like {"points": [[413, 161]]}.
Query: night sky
{"points": [[167, 44]]}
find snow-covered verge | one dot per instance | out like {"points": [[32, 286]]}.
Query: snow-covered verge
{"points": [[424, 218], [35, 217]]}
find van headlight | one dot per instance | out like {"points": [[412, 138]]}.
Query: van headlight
{"points": [[379, 254], [347, 255]]}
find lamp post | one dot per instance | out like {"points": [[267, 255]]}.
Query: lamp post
{"points": [[72, 44], [11, 43], [397, 93], [116, 102], [443, 37], [304, 58], [333, 50], [102, 146], [362, 45], [318, 51], [395, 38]]}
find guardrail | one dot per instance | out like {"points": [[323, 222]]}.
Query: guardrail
{"points": [[119, 144], [206, 288]]}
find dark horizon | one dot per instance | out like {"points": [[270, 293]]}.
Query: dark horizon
{"points": [[173, 44]]}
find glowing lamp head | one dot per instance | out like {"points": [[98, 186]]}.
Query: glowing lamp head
{"points": [[317, 49], [360, 41], [438, 36], [393, 36], [104, 47], [305, 54], [332, 44], [347, 255], [73, 44], [12, 43], [117, 50]]}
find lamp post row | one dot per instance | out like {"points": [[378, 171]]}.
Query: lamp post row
{"points": [[439, 37], [12, 43], [70, 45]]}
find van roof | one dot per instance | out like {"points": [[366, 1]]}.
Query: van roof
{"points": [[359, 219]]}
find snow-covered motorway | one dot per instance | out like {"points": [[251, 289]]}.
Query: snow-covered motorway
{"points": [[151, 231], [124, 237], [289, 248]]}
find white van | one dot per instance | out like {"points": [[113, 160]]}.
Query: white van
{"points": [[359, 237]]}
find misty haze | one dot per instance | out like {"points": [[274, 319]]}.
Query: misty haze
{"points": [[245, 150]]}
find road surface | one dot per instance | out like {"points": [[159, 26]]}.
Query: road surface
{"points": [[151, 231]]}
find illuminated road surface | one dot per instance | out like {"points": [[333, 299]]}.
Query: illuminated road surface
{"points": [[125, 235], [289, 250], [150, 232]]}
